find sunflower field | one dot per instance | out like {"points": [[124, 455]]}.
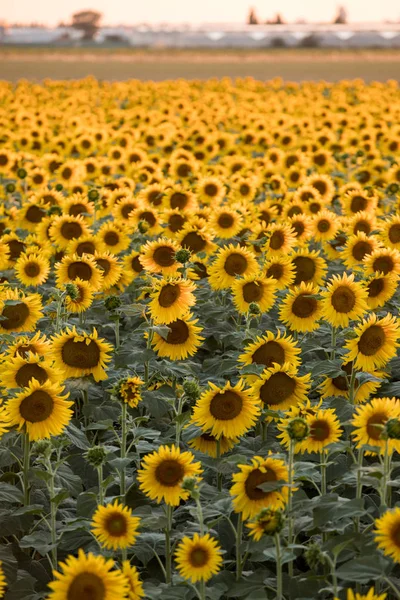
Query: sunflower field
{"points": [[199, 330]]}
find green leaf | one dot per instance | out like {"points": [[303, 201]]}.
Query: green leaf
{"points": [[77, 437], [39, 540], [364, 568]]}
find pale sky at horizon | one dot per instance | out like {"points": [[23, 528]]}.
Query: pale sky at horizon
{"points": [[130, 12]]}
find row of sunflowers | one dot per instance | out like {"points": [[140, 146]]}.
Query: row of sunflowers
{"points": [[199, 331]]}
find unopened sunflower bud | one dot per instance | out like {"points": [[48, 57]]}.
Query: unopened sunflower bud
{"points": [[93, 195], [297, 429], [54, 211], [254, 309], [96, 456], [112, 303], [392, 428], [143, 226], [10, 188], [183, 256], [59, 187], [22, 173], [314, 556], [72, 291], [190, 484], [42, 448], [191, 389], [393, 188]]}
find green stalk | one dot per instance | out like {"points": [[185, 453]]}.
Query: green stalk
{"points": [[168, 553], [148, 347], [122, 484], [100, 480], [323, 457], [333, 342], [386, 472], [117, 340], [25, 467], [202, 590], [179, 425], [290, 501], [278, 567], [352, 386], [219, 475], [359, 484], [53, 516], [238, 544]]}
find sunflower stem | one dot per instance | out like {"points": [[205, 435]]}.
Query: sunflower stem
{"points": [[352, 385], [124, 554], [238, 544], [178, 422], [168, 553], [117, 340], [100, 480], [53, 514], [384, 479], [278, 567], [290, 502], [25, 467], [219, 475], [200, 513], [359, 485], [85, 403], [333, 342], [122, 483], [202, 590], [148, 347], [323, 458]]}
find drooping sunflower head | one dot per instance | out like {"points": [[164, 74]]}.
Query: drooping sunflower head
{"points": [[198, 558], [129, 390], [114, 526], [268, 522]]}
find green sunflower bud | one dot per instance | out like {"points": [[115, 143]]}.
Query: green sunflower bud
{"points": [[96, 456], [143, 226], [183, 256], [22, 173], [59, 187], [191, 389], [314, 556], [112, 303], [254, 309], [393, 429], [93, 195], [10, 188], [297, 429], [72, 291]]}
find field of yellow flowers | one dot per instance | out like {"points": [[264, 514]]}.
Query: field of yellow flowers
{"points": [[199, 331]]}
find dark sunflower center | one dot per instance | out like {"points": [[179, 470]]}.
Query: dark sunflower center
{"points": [[70, 231], [178, 200], [275, 271], [86, 586], [358, 203], [277, 389], [211, 190], [268, 354], [80, 354], [168, 295], [85, 248], [320, 430], [28, 372], [14, 315], [394, 233], [207, 437], [24, 350], [164, 256], [324, 225], [80, 269], [148, 217], [375, 287], [179, 332], [201, 270], [183, 170], [116, 524], [176, 222], [361, 249], [252, 292], [104, 265], [111, 238], [395, 535], [225, 221], [384, 264], [136, 264], [35, 214], [372, 340], [304, 268], [127, 209], [256, 478], [304, 306], [198, 557], [235, 264], [169, 473], [194, 242], [277, 240], [77, 209], [343, 299], [226, 406], [15, 248], [36, 407], [32, 269], [320, 186], [375, 423], [298, 227], [363, 226]]}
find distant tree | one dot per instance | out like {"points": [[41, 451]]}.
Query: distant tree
{"points": [[87, 21], [278, 20], [341, 16], [252, 18]]}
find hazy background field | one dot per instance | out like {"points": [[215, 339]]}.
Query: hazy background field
{"points": [[294, 65]]}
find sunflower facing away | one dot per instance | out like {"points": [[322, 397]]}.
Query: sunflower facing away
{"points": [[163, 471], [88, 577], [229, 411], [114, 526], [198, 558], [41, 409], [171, 299], [248, 498], [77, 355], [375, 342]]}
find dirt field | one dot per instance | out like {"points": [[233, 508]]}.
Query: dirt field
{"points": [[157, 65]]}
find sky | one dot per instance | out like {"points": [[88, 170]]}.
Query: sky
{"points": [[129, 12]]}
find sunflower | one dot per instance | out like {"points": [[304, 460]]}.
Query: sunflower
{"points": [[355, 201], [281, 239], [339, 386], [383, 260], [282, 270], [18, 311], [114, 526], [132, 265], [387, 533], [66, 228], [110, 267], [254, 289], [225, 222], [88, 577], [325, 225], [159, 257], [363, 221], [357, 247], [343, 301], [41, 409], [180, 197], [198, 558], [129, 390], [374, 343], [390, 232], [12, 247], [380, 289], [195, 237], [309, 267], [248, 497], [231, 261], [302, 225], [369, 596], [163, 471], [3, 581], [23, 345], [80, 298], [31, 214], [78, 355], [75, 267], [279, 387], [181, 341], [171, 299], [301, 309], [229, 411], [267, 522], [174, 220], [269, 349], [324, 429], [112, 238], [19, 371], [208, 444], [87, 244], [369, 420], [210, 190], [32, 269], [135, 586]]}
